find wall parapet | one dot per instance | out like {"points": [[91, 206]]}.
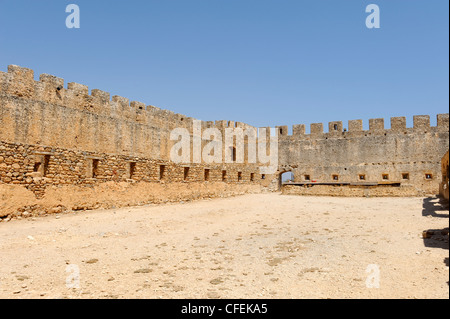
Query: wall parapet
{"points": [[19, 82], [376, 127]]}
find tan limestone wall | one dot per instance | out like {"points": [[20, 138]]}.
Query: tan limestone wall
{"points": [[349, 191]]}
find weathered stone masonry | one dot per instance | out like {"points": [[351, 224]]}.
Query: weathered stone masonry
{"points": [[53, 135], [399, 155]]}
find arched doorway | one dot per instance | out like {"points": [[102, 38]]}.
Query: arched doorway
{"points": [[285, 178]]}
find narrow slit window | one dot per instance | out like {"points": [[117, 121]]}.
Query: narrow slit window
{"points": [[46, 165], [132, 170], [224, 176], [95, 168], [263, 176], [162, 172], [207, 175], [240, 176], [186, 173], [252, 177]]}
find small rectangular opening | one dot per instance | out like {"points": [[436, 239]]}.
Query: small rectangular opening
{"points": [[41, 164], [429, 176], [239, 176], [95, 168], [186, 173], [37, 167], [335, 177], [224, 176], [307, 177], [405, 176], [386, 177], [362, 177], [132, 170], [45, 165], [252, 177], [263, 176], [162, 172], [206, 175]]}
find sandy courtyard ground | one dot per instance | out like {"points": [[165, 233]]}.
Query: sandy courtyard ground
{"points": [[251, 246]]}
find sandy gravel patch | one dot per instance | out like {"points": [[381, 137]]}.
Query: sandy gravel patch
{"points": [[251, 246]]}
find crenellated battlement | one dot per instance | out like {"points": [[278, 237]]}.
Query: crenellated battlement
{"points": [[19, 82], [48, 115], [48, 112], [376, 127]]}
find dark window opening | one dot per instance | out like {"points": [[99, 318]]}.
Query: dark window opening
{"points": [[240, 176], [132, 169], [385, 177], [162, 171], [46, 164], [206, 174], [335, 127], [224, 176], [186, 173], [362, 177], [335, 177], [307, 177], [95, 168], [252, 177], [405, 176], [263, 176], [428, 176], [37, 167]]}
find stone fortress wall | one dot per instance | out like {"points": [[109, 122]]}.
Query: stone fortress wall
{"points": [[398, 156], [56, 135], [52, 135]]}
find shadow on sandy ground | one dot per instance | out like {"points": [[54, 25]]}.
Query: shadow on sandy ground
{"points": [[435, 207], [436, 238]]}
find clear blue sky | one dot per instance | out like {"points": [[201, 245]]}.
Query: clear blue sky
{"points": [[263, 62]]}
